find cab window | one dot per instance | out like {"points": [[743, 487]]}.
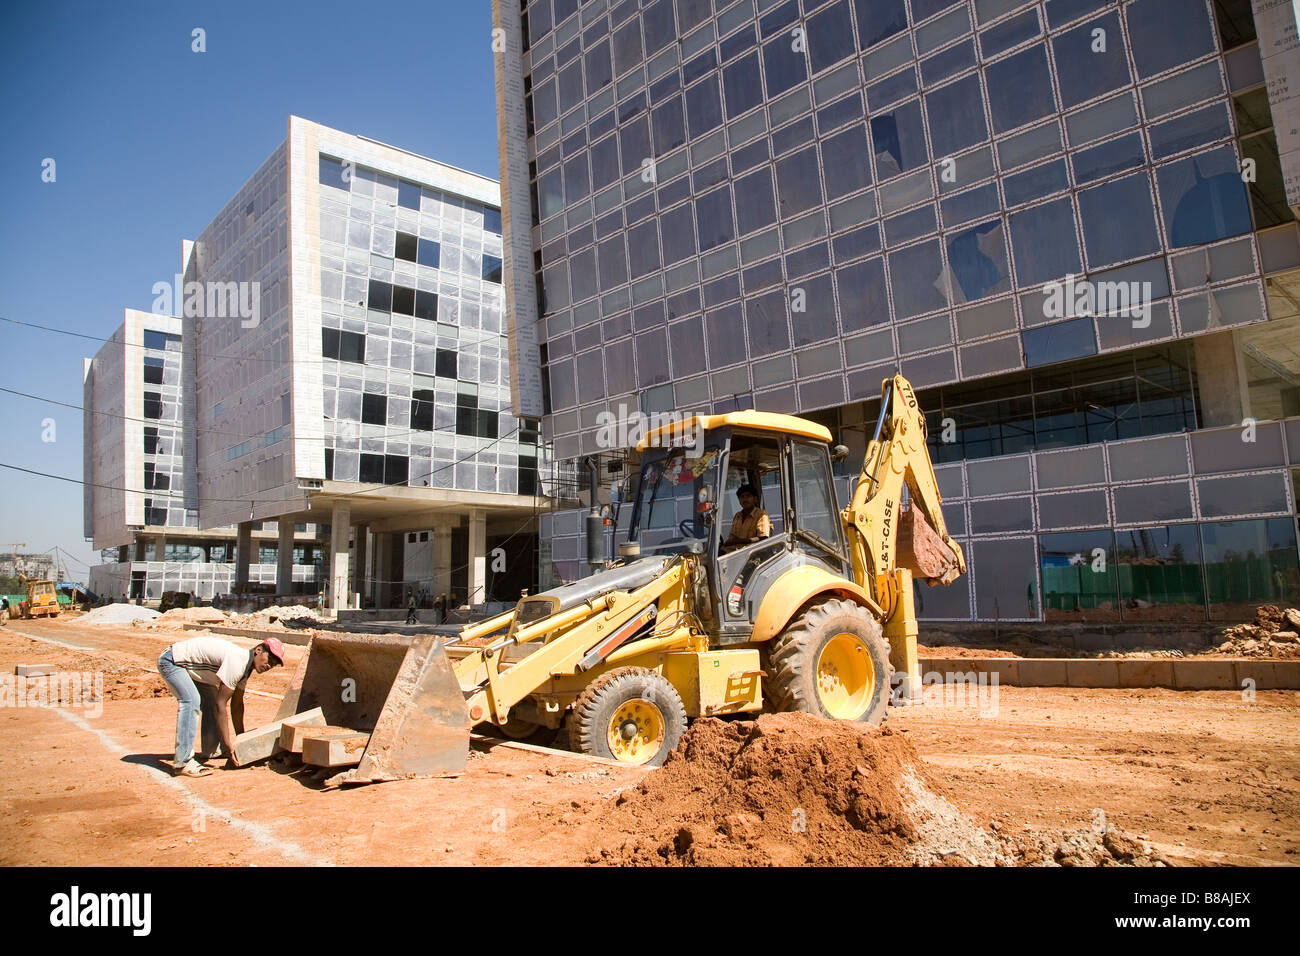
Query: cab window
{"points": [[753, 461], [814, 496]]}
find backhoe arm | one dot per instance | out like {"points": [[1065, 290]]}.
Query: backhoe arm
{"points": [[896, 454]]}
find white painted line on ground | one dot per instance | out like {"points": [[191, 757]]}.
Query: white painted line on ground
{"points": [[258, 833], [48, 640]]}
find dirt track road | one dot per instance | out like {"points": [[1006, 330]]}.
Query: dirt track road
{"points": [[1206, 777]]}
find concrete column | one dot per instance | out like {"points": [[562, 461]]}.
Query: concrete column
{"points": [[359, 535], [1222, 392], [477, 558], [243, 553], [441, 557], [383, 565], [284, 555], [340, 579]]}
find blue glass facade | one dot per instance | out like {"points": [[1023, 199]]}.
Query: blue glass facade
{"points": [[777, 204]]}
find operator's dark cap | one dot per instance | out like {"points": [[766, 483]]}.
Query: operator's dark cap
{"points": [[747, 489]]}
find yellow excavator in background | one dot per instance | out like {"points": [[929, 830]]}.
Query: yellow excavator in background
{"points": [[816, 616], [42, 598]]}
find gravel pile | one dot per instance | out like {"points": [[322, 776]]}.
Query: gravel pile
{"points": [[118, 614]]}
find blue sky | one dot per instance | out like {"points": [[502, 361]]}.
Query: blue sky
{"points": [[150, 140]]}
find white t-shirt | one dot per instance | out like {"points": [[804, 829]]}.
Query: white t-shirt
{"points": [[210, 660]]}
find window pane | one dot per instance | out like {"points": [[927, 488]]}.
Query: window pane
{"points": [[713, 218], [916, 277], [1097, 162], [1160, 573], [878, 20], [956, 115], [755, 202], [1248, 563], [703, 109], [863, 300], [1005, 588], [845, 163], [1110, 238], [1059, 342], [1020, 89], [799, 181], [898, 140], [814, 498], [1044, 242], [740, 80], [978, 259], [1165, 33], [1203, 198], [669, 123], [783, 66], [1078, 576], [1087, 69]]}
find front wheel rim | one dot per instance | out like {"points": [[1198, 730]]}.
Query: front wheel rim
{"points": [[636, 731], [846, 676]]}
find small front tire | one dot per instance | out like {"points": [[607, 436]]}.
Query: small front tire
{"points": [[630, 714]]}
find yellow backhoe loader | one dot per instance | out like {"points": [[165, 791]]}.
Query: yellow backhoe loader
{"points": [[42, 598], [691, 620]]}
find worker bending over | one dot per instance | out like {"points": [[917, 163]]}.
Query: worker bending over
{"points": [[751, 522], [208, 674]]}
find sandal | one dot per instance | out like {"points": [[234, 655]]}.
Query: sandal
{"points": [[192, 769]]}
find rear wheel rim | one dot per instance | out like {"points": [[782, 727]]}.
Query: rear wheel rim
{"points": [[846, 676], [636, 731]]}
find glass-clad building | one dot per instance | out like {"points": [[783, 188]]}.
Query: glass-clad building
{"points": [[1067, 222], [367, 387]]}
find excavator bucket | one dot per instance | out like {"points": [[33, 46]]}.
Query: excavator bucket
{"points": [[399, 689], [923, 552]]}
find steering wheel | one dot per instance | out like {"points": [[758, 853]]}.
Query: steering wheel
{"points": [[687, 527]]}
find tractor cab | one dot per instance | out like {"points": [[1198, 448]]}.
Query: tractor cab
{"points": [[691, 480]]}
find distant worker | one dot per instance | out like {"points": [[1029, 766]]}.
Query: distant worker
{"points": [[440, 610], [207, 675], [751, 522], [410, 609]]}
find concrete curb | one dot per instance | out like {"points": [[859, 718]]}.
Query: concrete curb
{"points": [[1126, 672]]}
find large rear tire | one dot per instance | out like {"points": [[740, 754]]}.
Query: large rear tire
{"points": [[832, 661], [630, 714]]}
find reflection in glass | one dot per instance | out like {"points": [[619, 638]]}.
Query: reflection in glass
{"points": [[1078, 576], [1248, 563], [1160, 573], [1203, 198]]}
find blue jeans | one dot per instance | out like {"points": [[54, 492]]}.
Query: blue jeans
{"points": [[195, 700]]}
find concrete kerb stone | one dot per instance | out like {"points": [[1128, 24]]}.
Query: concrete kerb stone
{"points": [[1205, 675], [1092, 672], [1042, 672], [1138, 672]]}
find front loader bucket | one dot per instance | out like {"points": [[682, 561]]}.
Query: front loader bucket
{"points": [[923, 552], [399, 689]]}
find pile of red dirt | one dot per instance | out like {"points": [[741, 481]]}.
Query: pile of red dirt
{"points": [[785, 789]]}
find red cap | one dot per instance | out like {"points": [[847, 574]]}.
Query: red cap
{"points": [[275, 647]]}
